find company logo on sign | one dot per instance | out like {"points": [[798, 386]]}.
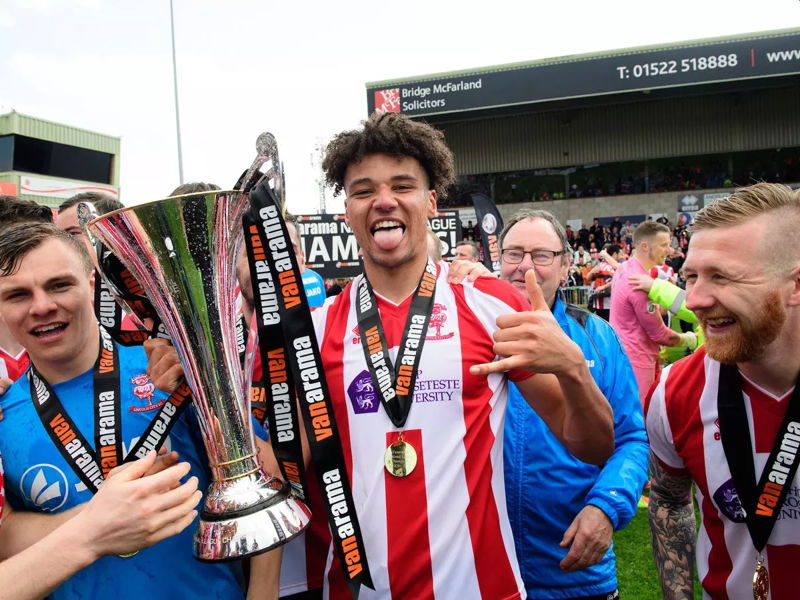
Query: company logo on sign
{"points": [[44, 486], [362, 394], [388, 100], [489, 224], [689, 203]]}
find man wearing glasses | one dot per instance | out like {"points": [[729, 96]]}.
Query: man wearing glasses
{"points": [[563, 512]]}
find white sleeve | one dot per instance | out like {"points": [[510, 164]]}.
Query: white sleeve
{"points": [[659, 432]]}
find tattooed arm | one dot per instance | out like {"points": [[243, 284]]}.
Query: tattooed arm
{"points": [[672, 527]]}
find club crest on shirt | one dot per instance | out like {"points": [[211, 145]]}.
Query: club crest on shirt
{"points": [[727, 499], [362, 394], [438, 319], [144, 389]]}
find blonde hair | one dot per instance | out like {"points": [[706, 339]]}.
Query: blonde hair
{"points": [[647, 230], [782, 242], [747, 203]]}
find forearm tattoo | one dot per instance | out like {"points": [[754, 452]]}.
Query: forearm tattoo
{"points": [[672, 527]]}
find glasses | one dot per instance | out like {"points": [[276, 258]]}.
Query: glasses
{"points": [[543, 258]]}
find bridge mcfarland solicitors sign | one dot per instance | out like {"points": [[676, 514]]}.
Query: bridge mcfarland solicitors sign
{"points": [[689, 63]]}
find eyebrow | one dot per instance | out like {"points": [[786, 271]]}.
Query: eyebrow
{"points": [[401, 177], [49, 281], [536, 249]]}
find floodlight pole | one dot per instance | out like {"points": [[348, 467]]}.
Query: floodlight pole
{"points": [[175, 84]]}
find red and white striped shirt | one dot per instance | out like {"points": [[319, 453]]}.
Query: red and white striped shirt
{"points": [[683, 427], [442, 531], [13, 366]]}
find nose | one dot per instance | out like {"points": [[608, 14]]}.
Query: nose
{"points": [[526, 264], [384, 198], [699, 295], [41, 303]]}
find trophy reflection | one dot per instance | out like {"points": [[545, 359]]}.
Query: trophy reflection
{"points": [[182, 250]]}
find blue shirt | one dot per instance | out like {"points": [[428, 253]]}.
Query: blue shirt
{"points": [[39, 479], [546, 487], [315, 288]]}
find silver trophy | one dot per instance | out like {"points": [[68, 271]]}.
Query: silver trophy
{"points": [[183, 251]]}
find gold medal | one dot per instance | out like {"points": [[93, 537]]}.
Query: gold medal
{"points": [[760, 581], [400, 458]]}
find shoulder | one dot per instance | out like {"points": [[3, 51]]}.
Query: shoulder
{"points": [[17, 396], [595, 327], [679, 387], [312, 276], [490, 287], [335, 307]]}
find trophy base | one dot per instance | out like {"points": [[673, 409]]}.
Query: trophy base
{"points": [[244, 528]]}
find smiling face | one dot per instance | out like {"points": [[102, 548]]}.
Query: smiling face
{"points": [[656, 248], [740, 297], [388, 206], [528, 235], [47, 305]]}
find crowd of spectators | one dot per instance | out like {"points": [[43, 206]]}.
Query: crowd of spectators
{"points": [[624, 178], [590, 245]]}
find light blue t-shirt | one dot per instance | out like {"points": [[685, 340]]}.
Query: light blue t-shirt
{"points": [[315, 288], [39, 479]]}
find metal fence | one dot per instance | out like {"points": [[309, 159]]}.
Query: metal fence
{"points": [[578, 295]]}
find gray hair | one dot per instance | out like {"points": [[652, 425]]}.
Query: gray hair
{"points": [[532, 214]]}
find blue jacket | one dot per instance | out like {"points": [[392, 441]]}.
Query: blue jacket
{"points": [[546, 486]]}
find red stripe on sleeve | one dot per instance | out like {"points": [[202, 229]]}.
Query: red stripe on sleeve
{"points": [[503, 291]]}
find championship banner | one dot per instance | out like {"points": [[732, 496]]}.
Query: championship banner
{"points": [[332, 251], [491, 224]]}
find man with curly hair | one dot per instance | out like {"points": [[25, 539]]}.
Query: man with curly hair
{"points": [[422, 431]]}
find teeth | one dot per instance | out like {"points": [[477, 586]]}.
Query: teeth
{"points": [[716, 322], [386, 225], [47, 328]]}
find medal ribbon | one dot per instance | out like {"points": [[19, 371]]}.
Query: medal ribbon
{"points": [[116, 282], [71, 443], [395, 383], [277, 280], [761, 501], [273, 399]]}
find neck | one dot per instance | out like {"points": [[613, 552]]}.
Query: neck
{"points": [[7, 341], [646, 263], [778, 369], [60, 371], [395, 283]]}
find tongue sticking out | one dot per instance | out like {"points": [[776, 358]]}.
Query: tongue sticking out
{"points": [[388, 239]]}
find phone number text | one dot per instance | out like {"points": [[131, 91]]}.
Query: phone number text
{"points": [[670, 67]]}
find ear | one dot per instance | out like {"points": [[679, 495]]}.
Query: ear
{"points": [[794, 297], [431, 203]]}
